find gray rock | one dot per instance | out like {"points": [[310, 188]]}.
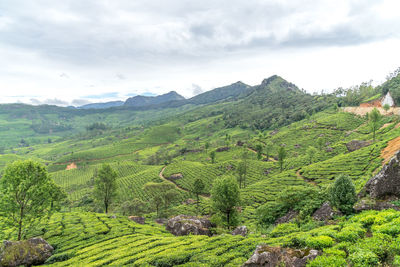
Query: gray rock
{"points": [[137, 219], [371, 204], [222, 149], [113, 217], [185, 225], [240, 230], [290, 216], [325, 212], [387, 181], [267, 256], [161, 221], [34, 251], [176, 176], [356, 145]]}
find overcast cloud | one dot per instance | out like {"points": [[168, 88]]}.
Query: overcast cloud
{"points": [[105, 50]]}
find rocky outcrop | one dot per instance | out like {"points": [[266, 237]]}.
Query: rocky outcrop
{"points": [[34, 251], [240, 230], [387, 181], [176, 176], [137, 219], [370, 204], [290, 216], [325, 213], [356, 145], [222, 149], [185, 225], [267, 256]]}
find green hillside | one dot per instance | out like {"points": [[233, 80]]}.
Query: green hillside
{"points": [[292, 145]]}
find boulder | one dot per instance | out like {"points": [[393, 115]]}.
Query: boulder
{"points": [[325, 213], [161, 221], [370, 204], [185, 225], [113, 217], [176, 176], [222, 149], [356, 145], [267, 256], [137, 219], [239, 143], [387, 181], [34, 251], [240, 230], [290, 216]]}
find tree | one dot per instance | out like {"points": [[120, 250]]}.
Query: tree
{"points": [[134, 207], [374, 117], [212, 156], [225, 197], [26, 193], [207, 146], [259, 149], [311, 153], [267, 150], [386, 107], [105, 185], [343, 194], [198, 187], [162, 194], [57, 196], [281, 156], [242, 171], [320, 143]]}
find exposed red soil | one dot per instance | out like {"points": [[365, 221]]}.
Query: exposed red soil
{"points": [[388, 152], [71, 166]]}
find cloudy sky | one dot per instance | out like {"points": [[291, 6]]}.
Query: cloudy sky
{"points": [[79, 51]]}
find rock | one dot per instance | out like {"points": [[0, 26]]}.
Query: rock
{"points": [[185, 225], [222, 149], [325, 213], [290, 216], [240, 230], [137, 219], [239, 143], [356, 145], [267, 256], [329, 149], [176, 176], [387, 181], [113, 217], [274, 132], [189, 201], [297, 146], [372, 204], [34, 251]]}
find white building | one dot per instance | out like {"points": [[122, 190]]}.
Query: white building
{"points": [[387, 100]]}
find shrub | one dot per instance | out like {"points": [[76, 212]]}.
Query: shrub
{"points": [[319, 242], [284, 229], [363, 258], [328, 261], [351, 232], [343, 194]]}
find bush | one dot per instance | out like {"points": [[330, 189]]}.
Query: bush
{"points": [[363, 258], [351, 233], [319, 242], [284, 229], [343, 194], [328, 261]]}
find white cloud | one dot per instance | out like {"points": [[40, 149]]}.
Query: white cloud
{"points": [[70, 49]]}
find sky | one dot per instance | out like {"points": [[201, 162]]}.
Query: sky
{"points": [[74, 52]]}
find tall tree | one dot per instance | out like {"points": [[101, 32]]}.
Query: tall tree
{"points": [[259, 150], [207, 146], [162, 194], [225, 197], [374, 117], [281, 156], [105, 185], [267, 149], [26, 193], [242, 172], [198, 187], [212, 156]]}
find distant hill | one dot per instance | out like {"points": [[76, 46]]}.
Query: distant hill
{"points": [[110, 104], [142, 101], [221, 93]]}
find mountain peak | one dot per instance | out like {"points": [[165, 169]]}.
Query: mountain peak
{"points": [[140, 101], [271, 79]]}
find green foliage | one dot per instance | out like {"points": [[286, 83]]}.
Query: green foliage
{"points": [[212, 156], [259, 150], [105, 185], [374, 117], [162, 194], [198, 188], [343, 194], [134, 207], [242, 171], [281, 156], [26, 193], [328, 261], [311, 153], [225, 196]]}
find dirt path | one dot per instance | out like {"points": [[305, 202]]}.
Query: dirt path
{"points": [[311, 182], [390, 150], [269, 158], [361, 111], [161, 174]]}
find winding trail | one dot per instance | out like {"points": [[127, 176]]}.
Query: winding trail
{"points": [[311, 182], [161, 174]]}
